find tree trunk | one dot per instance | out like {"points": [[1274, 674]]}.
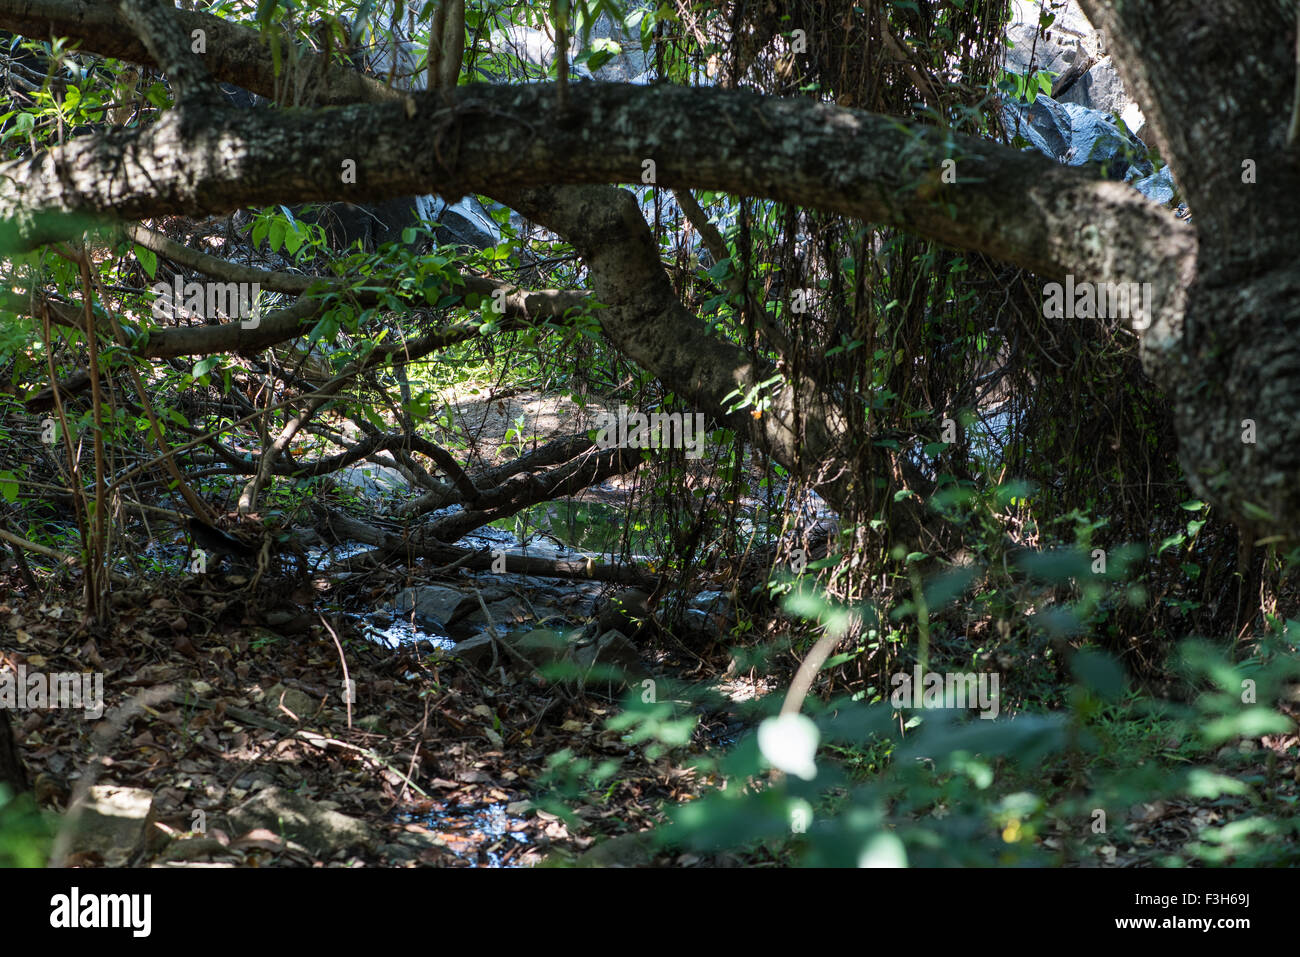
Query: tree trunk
{"points": [[1234, 372], [13, 775]]}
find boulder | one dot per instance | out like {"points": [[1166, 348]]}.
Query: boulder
{"points": [[321, 831], [1158, 187], [437, 605], [1075, 135], [539, 647], [476, 651], [370, 224], [625, 850], [299, 702], [627, 612], [372, 480], [501, 615], [114, 822], [612, 650], [1058, 47], [465, 223]]}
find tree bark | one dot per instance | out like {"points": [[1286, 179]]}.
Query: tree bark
{"points": [[1236, 366]]}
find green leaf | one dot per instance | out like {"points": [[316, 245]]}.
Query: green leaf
{"points": [[1013, 493], [1170, 542], [9, 486], [1250, 723], [947, 586], [720, 271], [1099, 673], [1056, 566], [148, 260], [1257, 513]]}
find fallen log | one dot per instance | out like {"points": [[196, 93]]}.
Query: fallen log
{"points": [[388, 544]]}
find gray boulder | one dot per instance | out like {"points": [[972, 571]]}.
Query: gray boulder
{"points": [[438, 605], [113, 822], [321, 831]]}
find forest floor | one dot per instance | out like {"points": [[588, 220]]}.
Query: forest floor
{"points": [[222, 708], [225, 727], [435, 762]]}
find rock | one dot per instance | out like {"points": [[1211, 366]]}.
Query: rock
{"points": [[373, 723], [549, 616], [536, 47], [612, 649], [527, 43], [476, 651], [504, 614], [627, 65], [1101, 89], [1070, 37], [438, 605], [256, 781], [375, 481], [421, 840], [190, 848], [626, 850], [425, 847], [1070, 33], [297, 818], [398, 853], [713, 603], [289, 621], [493, 593], [547, 646], [299, 702], [115, 823], [708, 616], [627, 612], [466, 223], [1075, 135], [1158, 187], [371, 224], [539, 646]]}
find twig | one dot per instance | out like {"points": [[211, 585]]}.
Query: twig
{"points": [[347, 683], [803, 678], [61, 557]]}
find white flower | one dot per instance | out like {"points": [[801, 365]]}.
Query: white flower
{"points": [[789, 742], [883, 850]]}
